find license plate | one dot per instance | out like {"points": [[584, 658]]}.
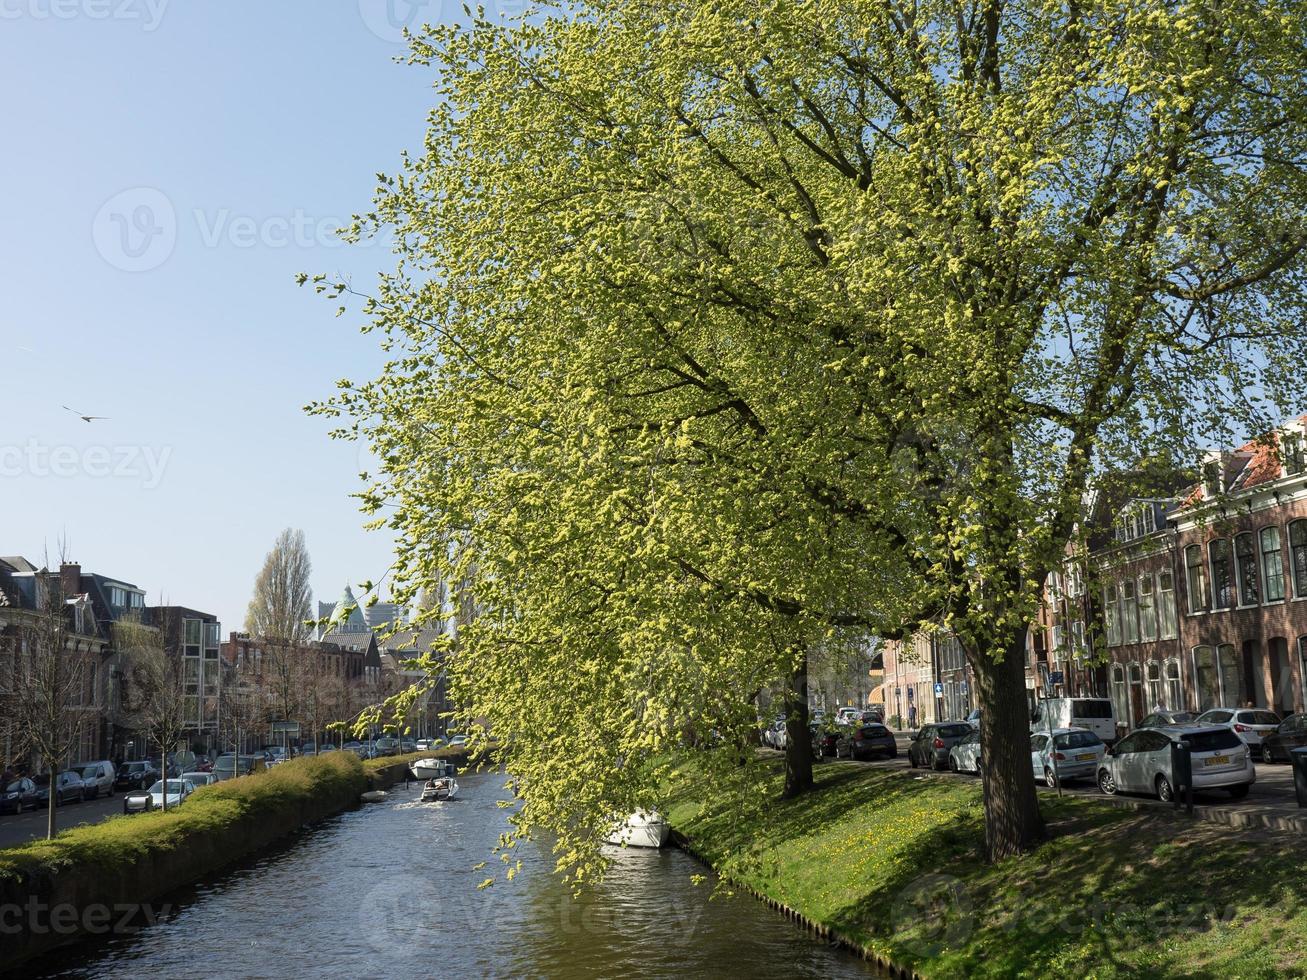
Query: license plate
{"points": [[1217, 760], [1086, 757]]}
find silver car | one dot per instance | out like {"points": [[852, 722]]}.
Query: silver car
{"points": [[1141, 762], [965, 756], [1250, 724], [1065, 754]]}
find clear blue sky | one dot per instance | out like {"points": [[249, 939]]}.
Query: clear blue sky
{"points": [[250, 121]]}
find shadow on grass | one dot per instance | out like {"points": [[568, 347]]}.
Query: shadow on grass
{"points": [[895, 861]]}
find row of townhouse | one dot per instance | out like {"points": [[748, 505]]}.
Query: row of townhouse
{"points": [[90, 605], [1185, 601]]}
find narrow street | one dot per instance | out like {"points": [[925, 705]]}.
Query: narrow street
{"points": [[30, 824]]}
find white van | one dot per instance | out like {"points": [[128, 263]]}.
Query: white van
{"points": [[1094, 714], [98, 774]]}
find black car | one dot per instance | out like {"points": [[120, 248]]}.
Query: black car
{"points": [[136, 775], [69, 788], [20, 793], [865, 742], [1292, 734], [930, 746], [825, 738]]}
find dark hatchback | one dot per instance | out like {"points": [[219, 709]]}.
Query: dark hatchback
{"points": [[825, 738], [18, 795], [136, 775], [1291, 734], [865, 742], [930, 746]]}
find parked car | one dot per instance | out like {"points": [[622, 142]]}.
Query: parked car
{"points": [[866, 741], [1141, 762], [140, 801], [825, 739], [1066, 754], [136, 775], [847, 715], [873, 716], [930, 746], [965, 754], [326, 747], [357, 748], [18, 795], [1250, 724], [1167, 719], [99, 775], [1094, 714], [973, 718], [425, 744], [69, 788], [387, 746], [226, 766], [1291, 734], [407, 745], [460, 740], [198, 779], [775, 736]]}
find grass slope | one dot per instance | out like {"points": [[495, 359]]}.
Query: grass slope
{"points": [[893, 861]]}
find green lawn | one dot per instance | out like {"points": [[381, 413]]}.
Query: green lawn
{"points": [[892, 860]]}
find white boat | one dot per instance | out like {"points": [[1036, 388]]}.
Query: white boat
{"points": [[431, 768], [374, 796], [643, 828], [440, 788]]}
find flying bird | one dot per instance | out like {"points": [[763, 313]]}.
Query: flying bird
{"points": [[86, 418]]}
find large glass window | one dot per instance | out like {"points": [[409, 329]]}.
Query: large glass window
{"points": [[1222, 574], [1245, 553], [1111, 621], [1120, 701], [1298, 557], [1166, 604], [1147, 608], [1197, 578], [1272, 564], [1229, 662], [1129, 612], [1206, 678], [1174, 689]]}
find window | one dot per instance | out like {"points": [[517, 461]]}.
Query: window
{"points": [[1150, 519], [1291, 451], [1212, 479], [1298, 557], [1197, 579], [1120, 702], [1222, 577], [1206, 678], [117, 597], [1136, 687], [1147, 608], [192, 632], [1059, 639], [137, 600], [1078, 646], [1129, 613], [1245, 554], [1272, 564], [1153, 672], [1174, 691], [1166, 604], [1110, 620], [1229, 663]]}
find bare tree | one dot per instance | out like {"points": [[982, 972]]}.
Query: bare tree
{"points": [[279, 611], [156, 694], [45, 682]]}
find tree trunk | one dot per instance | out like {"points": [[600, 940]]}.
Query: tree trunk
{"points": [[1013, 823], [50, 822], [798, 738]]}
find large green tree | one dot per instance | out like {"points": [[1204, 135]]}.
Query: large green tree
{"points": [[721, 329]]}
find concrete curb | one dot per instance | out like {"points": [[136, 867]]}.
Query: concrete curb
{"points": [[1243, 819]]}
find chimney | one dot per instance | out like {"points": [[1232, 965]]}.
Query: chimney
{"points": [[70, 580]]}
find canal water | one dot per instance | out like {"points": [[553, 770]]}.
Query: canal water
{"points": [[390, 890]]}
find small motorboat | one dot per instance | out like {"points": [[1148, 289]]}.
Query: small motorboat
{"points": [[440, 788], [374, 796], [431, 768], [643, 828]]}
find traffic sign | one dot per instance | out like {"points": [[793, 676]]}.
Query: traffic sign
{"points": [[939, 689]]}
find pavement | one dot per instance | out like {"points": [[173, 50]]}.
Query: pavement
{"points": [[18, 829], [1270, 804]]}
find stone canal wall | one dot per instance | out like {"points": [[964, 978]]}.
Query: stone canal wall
{"points": [[103, 878]]}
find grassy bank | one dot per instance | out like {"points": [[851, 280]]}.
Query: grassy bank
{"points": [[892, 861]]}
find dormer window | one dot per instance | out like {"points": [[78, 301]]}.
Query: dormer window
{"points": [[1212, 481], [1292, 453]]}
